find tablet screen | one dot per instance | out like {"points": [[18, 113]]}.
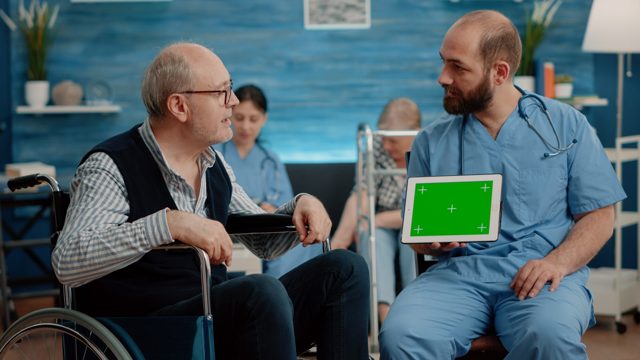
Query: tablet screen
{"points": [[463, 208]]}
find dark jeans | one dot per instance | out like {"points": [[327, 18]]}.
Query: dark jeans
{"points": [[324, 301]]}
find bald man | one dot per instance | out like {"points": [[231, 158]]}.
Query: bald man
{"points": [[557, 211], [389, 153], [162, 182]]}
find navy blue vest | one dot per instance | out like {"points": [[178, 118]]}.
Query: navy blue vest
{"points": [[160, 278]]}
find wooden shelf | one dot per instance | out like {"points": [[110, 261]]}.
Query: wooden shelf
{"points": [[627, 218], [79, 109], [627, 154], [580, 102]]}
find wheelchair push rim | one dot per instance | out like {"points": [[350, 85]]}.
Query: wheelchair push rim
{"points": [[57, 333]]}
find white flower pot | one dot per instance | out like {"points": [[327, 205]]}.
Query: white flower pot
{"points": [[526, 83], [564, 90], [36, 93]]}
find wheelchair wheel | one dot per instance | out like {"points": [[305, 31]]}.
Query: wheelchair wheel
{"points": [[57, 333]]}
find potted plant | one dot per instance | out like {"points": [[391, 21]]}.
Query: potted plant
{"points": [[536, 24], [564, 86], [35, 23]]}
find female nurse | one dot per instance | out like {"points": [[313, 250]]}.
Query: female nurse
{"points": [[259, 170]]}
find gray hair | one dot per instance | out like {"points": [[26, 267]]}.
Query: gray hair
{"points": [[169, 73], [400, 114]]}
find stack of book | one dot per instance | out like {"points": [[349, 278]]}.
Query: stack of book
{"points": [[545, 79]]}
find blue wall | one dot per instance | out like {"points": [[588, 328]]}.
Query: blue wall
{"points": [[320, 84]]}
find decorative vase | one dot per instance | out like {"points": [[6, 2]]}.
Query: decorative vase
{"points": [[67, 93], [526, 82], [36, 93], [564, 90]]}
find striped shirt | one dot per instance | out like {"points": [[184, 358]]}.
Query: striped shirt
{"points": [[97, 239], [389, 189]]}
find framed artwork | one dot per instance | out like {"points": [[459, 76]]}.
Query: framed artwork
{"points": [[337, 14]]}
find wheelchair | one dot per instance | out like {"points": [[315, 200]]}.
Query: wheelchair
{"points": [[69, 334]]}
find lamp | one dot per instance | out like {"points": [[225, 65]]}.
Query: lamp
{"points": [[613, 27]]}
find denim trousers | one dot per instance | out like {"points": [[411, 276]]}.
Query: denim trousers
{"points": [[324, 301], [292, 258], [388, 246]]}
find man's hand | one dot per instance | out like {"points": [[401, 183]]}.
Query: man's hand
{"points": [[208, 235], [532, 277], [311, 220], [435, 249]]}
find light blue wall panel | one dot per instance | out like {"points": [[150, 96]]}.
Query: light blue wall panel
{"points": [[320, 84]]}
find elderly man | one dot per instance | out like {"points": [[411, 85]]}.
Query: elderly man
{"points": [[558, 197], [161, 182]]}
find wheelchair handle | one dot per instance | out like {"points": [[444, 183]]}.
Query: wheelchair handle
{"points": [[27, 181]]}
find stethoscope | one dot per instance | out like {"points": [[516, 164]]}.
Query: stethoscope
{"points": [[268, 161], [539, 103]]}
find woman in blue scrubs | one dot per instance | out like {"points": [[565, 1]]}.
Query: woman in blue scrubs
{"points": [[259, 170]]}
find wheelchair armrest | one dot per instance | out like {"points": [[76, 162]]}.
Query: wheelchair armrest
{"points": [[254, 230], [205, 271], [259, 223], [205, 276]]}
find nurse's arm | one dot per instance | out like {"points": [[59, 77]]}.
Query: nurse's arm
{"points": [[586, 238]]}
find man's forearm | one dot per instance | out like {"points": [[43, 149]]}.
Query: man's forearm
{"points": [[347, 225], [84, 256], [389, 219], [590, 233], [96, 238]]}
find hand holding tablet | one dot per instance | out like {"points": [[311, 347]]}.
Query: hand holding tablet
{"points": [[446, 209]]}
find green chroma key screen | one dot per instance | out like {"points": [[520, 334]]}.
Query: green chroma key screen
{"points": [[452, 208]]}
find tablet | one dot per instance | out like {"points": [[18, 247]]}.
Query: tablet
{"points": [[463, 208]]}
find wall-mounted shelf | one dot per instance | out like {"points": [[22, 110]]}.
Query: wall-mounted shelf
{"points": [[580, 102], [79, 109], [622, 155]]}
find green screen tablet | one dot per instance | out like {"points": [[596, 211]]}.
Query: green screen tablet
{"points": [[462, 208]]}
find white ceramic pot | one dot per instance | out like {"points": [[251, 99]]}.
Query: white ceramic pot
{"points": [[527, 83], [564, 90], [36, 93]]}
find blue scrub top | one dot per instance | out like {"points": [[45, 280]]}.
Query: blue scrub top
{"points": [[261, 174], [540, 195]]}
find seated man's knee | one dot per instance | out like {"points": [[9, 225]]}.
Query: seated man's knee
{"points": [[544, 335], [348, 263], [349, 271], [265, 292], [398, 340]]}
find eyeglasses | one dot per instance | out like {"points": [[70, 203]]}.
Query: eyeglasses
{"points": [[227, 92]]}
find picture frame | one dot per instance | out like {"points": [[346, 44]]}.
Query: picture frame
{"points": [[337, 14]]}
